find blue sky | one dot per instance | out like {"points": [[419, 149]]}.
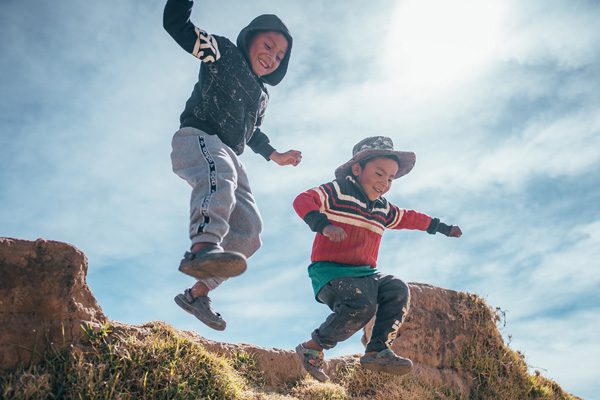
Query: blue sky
{"points": [[499, 101]]}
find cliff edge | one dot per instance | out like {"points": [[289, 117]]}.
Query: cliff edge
{"points": [[52, 328]]}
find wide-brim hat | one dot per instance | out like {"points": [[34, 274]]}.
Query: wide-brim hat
{"points": [[377, 146]]}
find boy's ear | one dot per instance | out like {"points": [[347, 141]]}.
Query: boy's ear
{"points": [[356, 169]]}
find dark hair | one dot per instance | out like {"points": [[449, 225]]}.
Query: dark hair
{"points": [[364, 162]]}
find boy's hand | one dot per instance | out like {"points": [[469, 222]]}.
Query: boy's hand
{"points": [[334, 233], [455, 231], [290, 157]]}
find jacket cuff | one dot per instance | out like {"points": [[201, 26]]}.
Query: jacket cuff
{"points": [[266, 151], [259, 143], [444, 229], [436, 226], [316, 221], [433, 225]]}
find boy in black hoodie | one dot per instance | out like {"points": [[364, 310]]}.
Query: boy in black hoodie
{"points": [[222, 115]]}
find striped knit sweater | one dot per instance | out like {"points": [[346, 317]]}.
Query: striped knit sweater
{"points": [[343, 203]]}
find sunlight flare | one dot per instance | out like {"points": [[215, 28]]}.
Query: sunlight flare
{"points": [[435, 42]]}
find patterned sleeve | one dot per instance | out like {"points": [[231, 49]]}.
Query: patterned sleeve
{"points": [[407, 219], [308, 206], [176, 21]]}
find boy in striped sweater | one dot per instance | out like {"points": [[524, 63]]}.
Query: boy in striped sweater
{"points": [[349, 216]]}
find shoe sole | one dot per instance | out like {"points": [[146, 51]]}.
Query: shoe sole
{"points": [[320, 378], [186, 307], [397, 370], [218, 265]]}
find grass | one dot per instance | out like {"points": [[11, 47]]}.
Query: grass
{"points": [[161, 365], [364, 384], [156, 362], [498, 372]]}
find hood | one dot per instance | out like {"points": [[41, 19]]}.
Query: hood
{"points": [[267, 22]]}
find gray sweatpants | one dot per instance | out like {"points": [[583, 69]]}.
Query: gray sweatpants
{"points": [[354, 301], [222, 208]]}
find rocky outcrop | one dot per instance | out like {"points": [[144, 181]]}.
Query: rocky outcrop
{"points": [[439, 326], [279, 367], [44, 298]]}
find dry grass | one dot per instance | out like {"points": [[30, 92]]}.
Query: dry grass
{"points": [[162, 365], [159, 363], [499, 372], [310, 389]]}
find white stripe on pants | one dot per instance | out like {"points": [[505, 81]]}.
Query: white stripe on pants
{"points": [[222, 207]]}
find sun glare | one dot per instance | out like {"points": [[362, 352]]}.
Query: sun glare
{"points": [[437, 42]]}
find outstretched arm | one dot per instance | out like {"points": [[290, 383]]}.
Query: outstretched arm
{"points": [[445, 229], [290, 157], [259, 143], [400, 218], [410, 219], [176, 21]]}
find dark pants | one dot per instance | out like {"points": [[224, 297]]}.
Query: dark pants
{"points": [[354, 301]]}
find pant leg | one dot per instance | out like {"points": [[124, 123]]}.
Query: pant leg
{"points": [[245, 223], [353, 302], [206, 164], [393, 300]]}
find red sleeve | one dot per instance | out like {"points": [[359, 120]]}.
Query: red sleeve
{"points": [[408, 219], [307, 201]]}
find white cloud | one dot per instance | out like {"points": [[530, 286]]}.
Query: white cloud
{"points": [[86, 142], [564, 34]]}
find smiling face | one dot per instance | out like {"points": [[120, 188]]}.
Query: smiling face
{"points": [[266, 52], [376, 176]]}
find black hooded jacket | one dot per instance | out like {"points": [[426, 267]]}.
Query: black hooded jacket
{"points": [[228, 100]]}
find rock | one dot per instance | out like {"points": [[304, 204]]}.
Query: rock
{"points": [[439, 326], [445, 318], [44, 298], [279, 367]]}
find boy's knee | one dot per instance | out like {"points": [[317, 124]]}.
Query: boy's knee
{"points": [[254, 243], [365, 313], [359, 314], [256, 227], [253, 231], [399, 288]]}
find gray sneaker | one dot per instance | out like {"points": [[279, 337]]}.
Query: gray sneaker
{"points": [[213, 262], [386, 361], [312, 361], [201, 309]]}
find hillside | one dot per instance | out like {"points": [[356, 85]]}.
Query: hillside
{"points": [[56, 342]]}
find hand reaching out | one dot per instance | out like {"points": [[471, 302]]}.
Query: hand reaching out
{"points": [[455, 232], [290, 157], [334, 233]]}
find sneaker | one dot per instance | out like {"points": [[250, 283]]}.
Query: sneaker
{"points": [[213, 262], [312, 361], [386, 361], [200, 308]]}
